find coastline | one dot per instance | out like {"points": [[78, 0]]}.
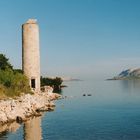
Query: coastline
{"points": [[25, 106]]}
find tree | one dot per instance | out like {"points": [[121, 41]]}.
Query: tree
{"points": [[12, 81], [4, 63], [53, 82], [57, 81]]}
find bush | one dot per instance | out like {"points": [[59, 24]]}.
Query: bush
{"points": [[12, 81], [53, 82], [13, 84]]}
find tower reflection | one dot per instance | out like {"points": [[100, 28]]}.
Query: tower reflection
{"points": [[32, 129]]}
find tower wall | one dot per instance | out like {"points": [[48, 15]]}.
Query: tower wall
{"points": [[30, 53]]}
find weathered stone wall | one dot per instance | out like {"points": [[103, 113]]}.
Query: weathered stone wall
{"points": [[30, 52]]}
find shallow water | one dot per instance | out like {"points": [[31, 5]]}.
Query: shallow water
{"points": [[111, 113]]}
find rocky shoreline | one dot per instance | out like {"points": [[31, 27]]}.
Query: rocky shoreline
{"points": [[21, 108]]}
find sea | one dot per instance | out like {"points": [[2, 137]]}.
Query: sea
{"points": [[89, 110]]}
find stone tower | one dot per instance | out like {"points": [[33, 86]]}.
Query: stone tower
{"points": [[31, 54]]}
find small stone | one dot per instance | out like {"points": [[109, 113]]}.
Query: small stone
{"points": [[19, 119]]}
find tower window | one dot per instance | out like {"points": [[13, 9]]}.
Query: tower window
{"points": [[32, 83]]}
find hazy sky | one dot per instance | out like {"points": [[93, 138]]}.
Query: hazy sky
{"points": [[78, 38]]}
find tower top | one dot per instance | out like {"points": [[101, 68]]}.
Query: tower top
{"points": [[31, 21]]}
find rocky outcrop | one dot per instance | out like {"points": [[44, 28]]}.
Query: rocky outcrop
{"points": [[10, 127], [25, 106], [128, 74]]}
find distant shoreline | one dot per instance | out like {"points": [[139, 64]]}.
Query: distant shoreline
{"points": [[68, 80], [125, 78]]}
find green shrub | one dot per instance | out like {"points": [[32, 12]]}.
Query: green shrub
{"points": [[14, 83], [53, 82], [2, 91]]}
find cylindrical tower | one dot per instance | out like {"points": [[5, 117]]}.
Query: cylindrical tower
{"points": [[30, 53]]}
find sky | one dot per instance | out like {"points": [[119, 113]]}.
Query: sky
{"points": [[78, 38]]}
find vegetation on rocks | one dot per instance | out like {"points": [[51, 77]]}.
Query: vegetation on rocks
{"points": [[12, 82], [53, 82]]}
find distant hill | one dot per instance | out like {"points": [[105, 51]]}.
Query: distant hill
{"points": [[128, 74]]}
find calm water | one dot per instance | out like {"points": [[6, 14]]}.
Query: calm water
{"points": [[111, 113]]}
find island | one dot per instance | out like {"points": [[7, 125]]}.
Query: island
{"points": [[128, 74]]}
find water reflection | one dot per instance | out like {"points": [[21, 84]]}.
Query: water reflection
{"points": [[3, 135], [29, 130], [32, 129], [58, 90], [111, 113], [131, 86], [7, 128]]}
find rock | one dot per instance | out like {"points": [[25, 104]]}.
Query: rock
{"points": [[3, 117], [50, 109], [19, 119], [87, 95], [25, 106], [12, 127]]}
